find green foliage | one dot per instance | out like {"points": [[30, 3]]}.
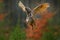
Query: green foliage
{"points": [[51, 34], [17, 34], [47, 36]]}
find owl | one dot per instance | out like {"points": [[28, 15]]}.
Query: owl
{"points": [[34, 14]]}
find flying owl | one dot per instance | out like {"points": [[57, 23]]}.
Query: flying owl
{"points": [[36, 12]]}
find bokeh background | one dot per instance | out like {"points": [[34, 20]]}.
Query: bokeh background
{"points": [[12, 18]]}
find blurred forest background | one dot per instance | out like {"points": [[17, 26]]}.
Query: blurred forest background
{"points": [[12, 18]]}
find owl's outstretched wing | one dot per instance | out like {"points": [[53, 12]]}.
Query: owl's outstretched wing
{"points": [[41, 8], [22, 6]]}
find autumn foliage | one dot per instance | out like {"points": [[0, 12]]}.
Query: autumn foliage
{"points": [[40, 24], [2, 16]]}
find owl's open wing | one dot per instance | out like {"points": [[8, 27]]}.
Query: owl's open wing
{"points": [[41, 8], [22, 6]]}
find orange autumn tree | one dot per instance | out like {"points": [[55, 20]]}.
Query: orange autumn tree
{"points": [[2, 16]]}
